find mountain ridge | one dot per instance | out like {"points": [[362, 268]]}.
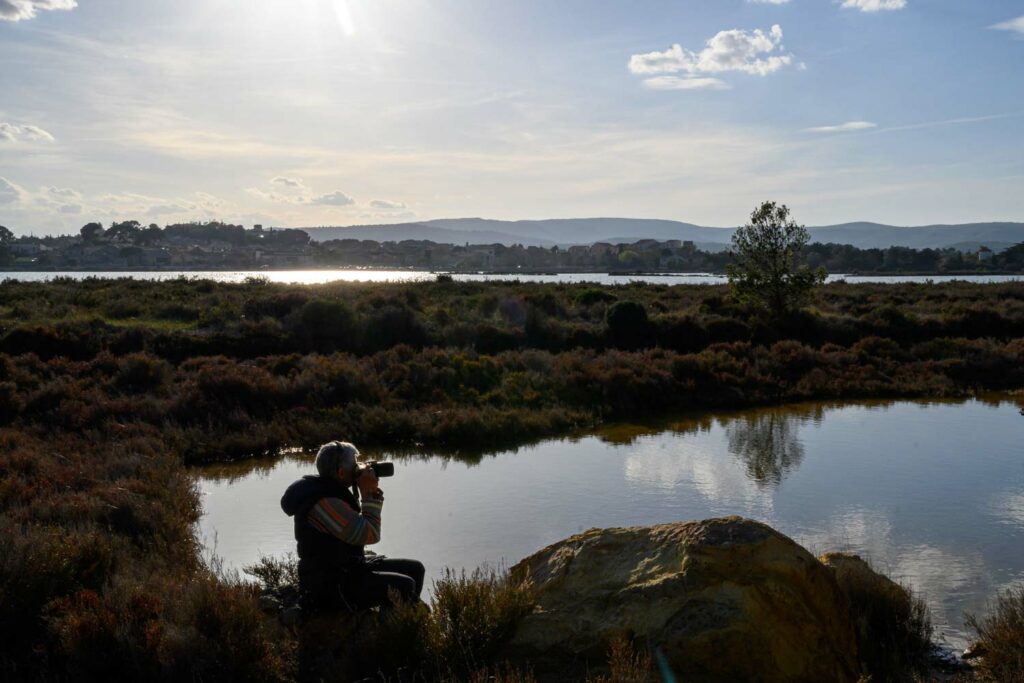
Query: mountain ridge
{"points": [[566, 232]]}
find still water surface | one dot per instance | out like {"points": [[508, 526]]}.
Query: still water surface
{"points": [[312, 277], [932, 493]]}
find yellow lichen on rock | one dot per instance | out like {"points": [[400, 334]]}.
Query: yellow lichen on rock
{"points": [[722, 600]]}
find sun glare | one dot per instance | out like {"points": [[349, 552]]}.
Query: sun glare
{"points": [[344, 17]]}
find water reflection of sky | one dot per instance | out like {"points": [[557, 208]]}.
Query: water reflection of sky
{"points": [[931, 493]]}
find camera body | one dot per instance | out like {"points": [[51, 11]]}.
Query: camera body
{"points": [[381, 469]]}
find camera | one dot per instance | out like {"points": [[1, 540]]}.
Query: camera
{"points": [[381, 469]]}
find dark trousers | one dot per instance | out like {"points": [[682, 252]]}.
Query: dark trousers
{"points": [[361, 587], [372, 586]]}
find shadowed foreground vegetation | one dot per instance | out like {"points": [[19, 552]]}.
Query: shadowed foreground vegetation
{"points": [[891, 623], [1001, 639], [107, 388]]}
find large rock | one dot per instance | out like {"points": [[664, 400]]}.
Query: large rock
{"points": [[723, 600]]}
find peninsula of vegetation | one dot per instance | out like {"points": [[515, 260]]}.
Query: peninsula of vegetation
{"points": [[129, 245]]}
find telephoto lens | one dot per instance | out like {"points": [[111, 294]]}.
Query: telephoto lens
{"points": [[383, 469]]}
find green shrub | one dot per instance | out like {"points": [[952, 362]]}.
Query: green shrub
{"points": [[476, 614], [329, 324], [277, 305], [589, 297], [176, 311], [681, 333], [391, 326], [627, 323], [727, 330], [139, 372], [273, 573], [77, 341], [120, 309], [471, 618]]}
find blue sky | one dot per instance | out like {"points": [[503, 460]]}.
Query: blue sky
{"points": [[337, 112]]}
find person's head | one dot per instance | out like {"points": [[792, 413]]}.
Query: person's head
{"points": [[337, 460]]}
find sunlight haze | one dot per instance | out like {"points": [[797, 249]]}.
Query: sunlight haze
{"points": [[339, 112]]}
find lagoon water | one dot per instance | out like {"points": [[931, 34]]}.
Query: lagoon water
{"points": [[312, 277], [930, 492]]}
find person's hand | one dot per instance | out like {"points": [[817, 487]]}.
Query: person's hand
{"points": [[367, 482]]}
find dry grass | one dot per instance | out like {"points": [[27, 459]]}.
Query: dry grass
{"points": [[892, 625], [1001, 639]]}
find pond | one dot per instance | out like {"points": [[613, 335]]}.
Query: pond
{"points": [[312, 277], [930, 492]]}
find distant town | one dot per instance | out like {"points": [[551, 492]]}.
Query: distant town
{"points": [[129, 245]]}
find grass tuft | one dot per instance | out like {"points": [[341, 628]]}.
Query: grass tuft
{"points": [[892, 625], [1001, 639]]}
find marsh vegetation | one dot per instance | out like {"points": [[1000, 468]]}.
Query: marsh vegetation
{"points": [[108, 388]]}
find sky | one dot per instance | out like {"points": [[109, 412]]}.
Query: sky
{"points": [[301, 113]]}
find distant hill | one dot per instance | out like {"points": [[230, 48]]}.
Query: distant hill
{"points": [[420, 231], [545, 233], [967, 236], [571, 231]]}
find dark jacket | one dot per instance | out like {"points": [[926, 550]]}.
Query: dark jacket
{"points": [[317, 548]]}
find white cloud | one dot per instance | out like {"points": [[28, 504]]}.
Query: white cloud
{"points": [[9, 192], [58, 205], [25, 133], [390, 217], [692, 83], [385, 205], [1016, 25], [749, 52], [129, 199], [60, 199], [16, 10], [670, 61], [769, 2], [847, 127], [36, 133], [63, 193], [165, 209], [874, 5], [294, 191], [268, 196], [210, 202], [286, 182], [336, 198]]}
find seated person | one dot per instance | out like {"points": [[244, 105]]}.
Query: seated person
{"points": [[332, 527]]}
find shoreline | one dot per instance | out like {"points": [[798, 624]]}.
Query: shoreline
{"points": [[528, 272]]}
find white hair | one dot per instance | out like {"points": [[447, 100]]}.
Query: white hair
{"points": [[335, 456]]}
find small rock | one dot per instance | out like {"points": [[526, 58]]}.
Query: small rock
{"points": [[973, 651], [269, 604]]}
